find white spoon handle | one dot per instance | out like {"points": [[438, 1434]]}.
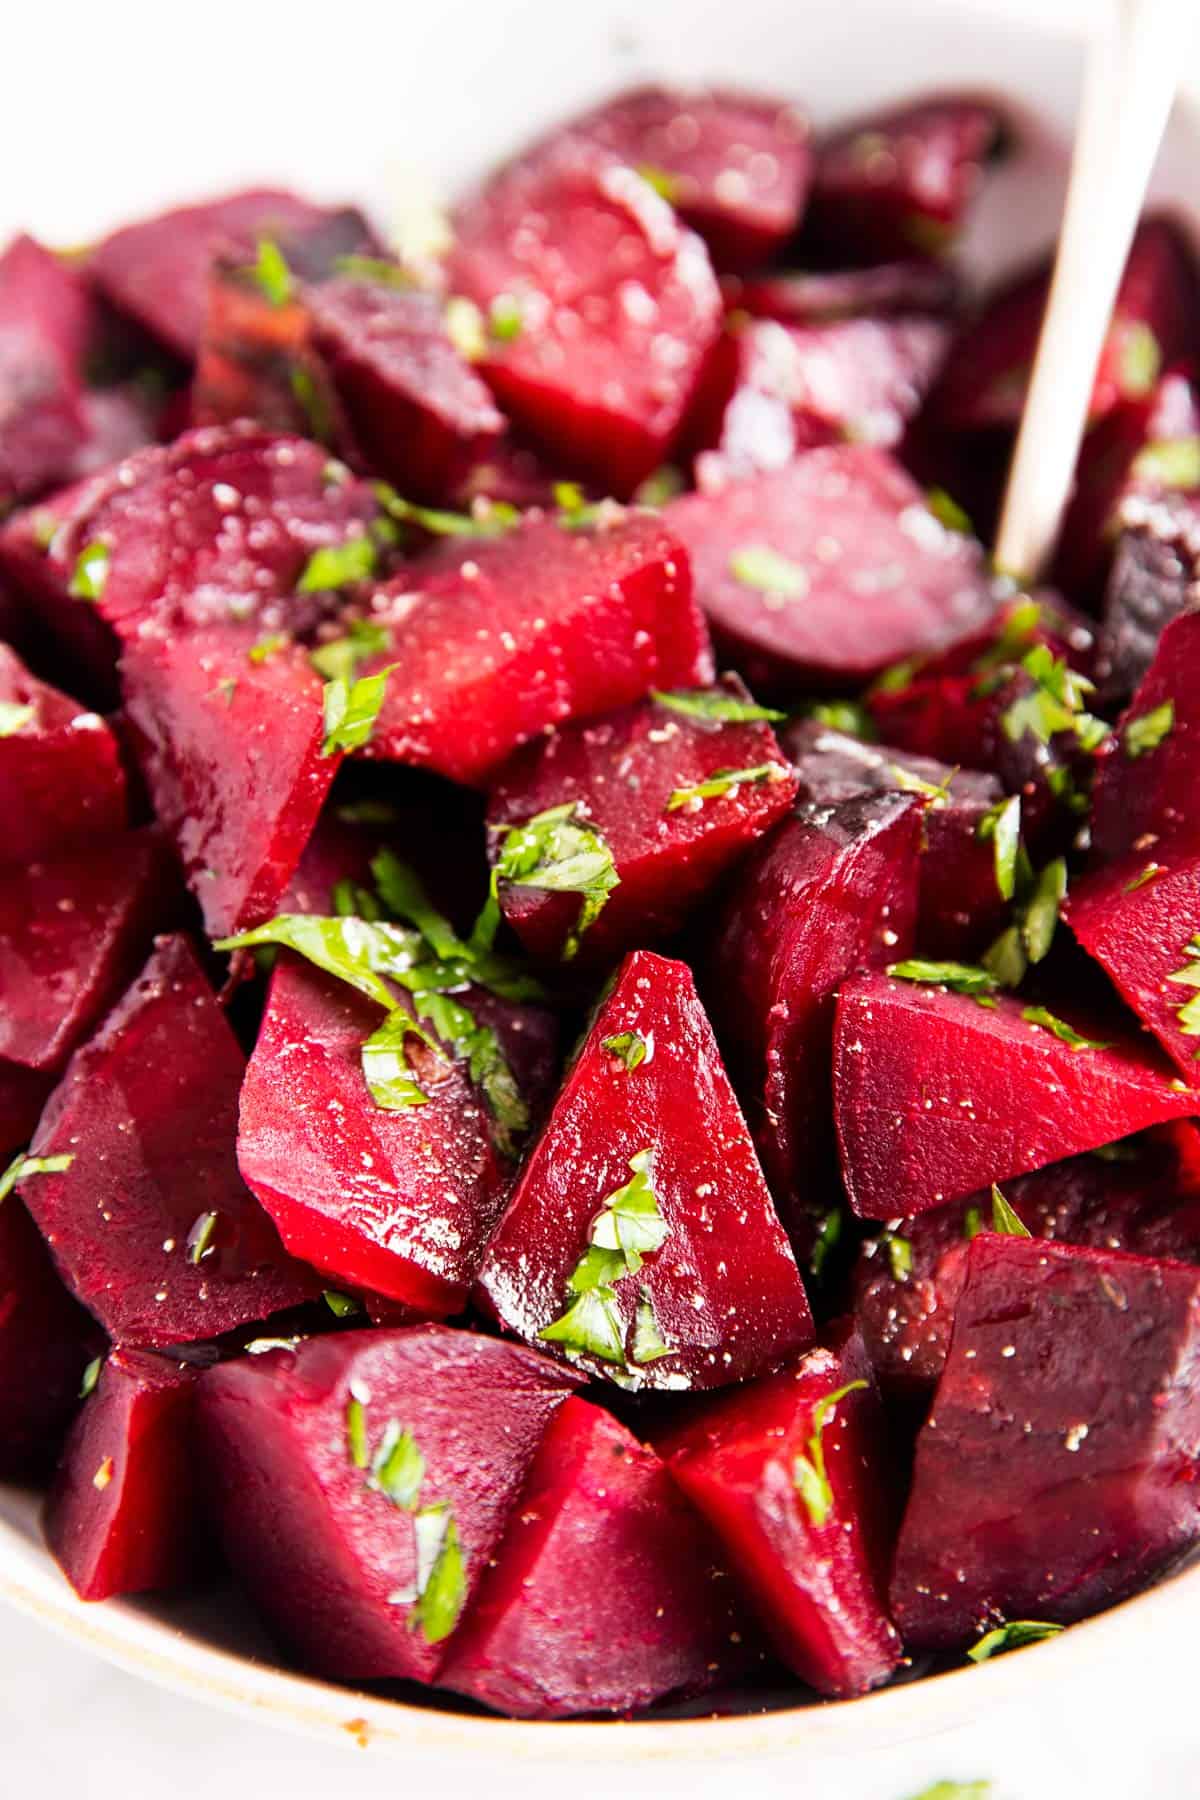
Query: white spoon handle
{"points": [[1133, 67]]}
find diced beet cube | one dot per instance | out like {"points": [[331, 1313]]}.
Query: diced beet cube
{"points": [[637, 778], [493, 641], [73, 934], [900, 182], [256, 360], [1141, 922], [121, 420], [640, 1240], [1142, 1195], [828, 570], [420, 413], [23, 1093], [364, 1483], [819, 296], [401, 1202], [61, 780], [230, 749], [46, 1339], [1144, 799], [606, 307], [833, 890], [1057, 1471], [1153, 326], [1155, 576], [157, 270], [936, 1096], [792, 1474], [734, 166], [1140, 449], [603, 1596], [150, 1224], [772, 390], [45, 319], [961, 906], [123, 1515]]}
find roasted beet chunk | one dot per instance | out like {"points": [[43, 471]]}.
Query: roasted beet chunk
{"points": [[149, 1222], [1141, 1195], [570, 233], [899, 183], [73, 933], [157, 271], [792, 1474], [400, 1201], [492, 641], [364, 1483], [61, 780], [1155, 576], [1044, 1487], [44, 325], [828, 570], [604, 1595], [640, 1240], [734, 166], [46, 1340], [963, 875], [833, 890], [665, 794], [819, 296], [123, 1516], [1144, 803], [936, 1095]]}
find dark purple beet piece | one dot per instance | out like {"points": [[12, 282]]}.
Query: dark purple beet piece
{"points": [[256, 360], [73, 934], [419, 412], [123, 1515], [1045, 1488], [61, 780], [640, 1240], [363, 1484], [1155, 576], [734, 166], [772, 390], [151, 1225], [494, 641], [45, 319], [23, 1093], [792, 1474], [1140, 920], [1144, 803], [828, 570], [834, 889], [961, 906], [605, 1594], [899, 183], [157, 270], [819, 296], [401, 1202], [570, 233], [636, 778], [46, 1340], [1142, 1195], [936, 1096]]}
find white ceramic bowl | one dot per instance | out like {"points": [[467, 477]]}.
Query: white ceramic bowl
{"points": [[349, 106]]}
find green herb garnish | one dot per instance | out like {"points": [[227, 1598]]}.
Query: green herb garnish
{"points": [[714, 703], [394, 1088], [657, 489], [336, 565], [199, 1238], [1170, 463], [649, 1344], [22, 1167], [340, 1305], [1147, 732], [356, 1431], [271, 273], [1189, 976], [1143, 876], [441, 1574], [629, 1047], [829, 1234], [899, 1254], [373, 268], [1005, 1220], [342, 657], [506, 320], [91, 1376], [554, 852], [1055, 704], [948, 512], [849, 717], [960, 978], [490, 522], [398, 1468], [1038, 1015], [1012, 1636], [357, 951], [268, 647], [628, 1228], [723, 782], [351, 709], [808, 1470], [1002, 825], [90, 574], [758, 566], [1039, 918]]}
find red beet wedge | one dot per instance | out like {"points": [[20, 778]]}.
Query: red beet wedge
{"points": [[640, 1240], [45, 320], [936, 1095], [150, 1224], [675, 789], [1144, 800], [46, 1341], [123, 1515], [363, 1485], [834, 890], [61, 780], [826, 571], [792, 1473], [570, 232], [819, 296], [1155, 577], [1045, 1489], [599, 1517]]}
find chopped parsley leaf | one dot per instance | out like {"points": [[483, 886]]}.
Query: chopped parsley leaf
{"points": [[268, 647], [271, 273], [829, 1234], [90, 574], [91, 1376], [1147, 732], [723, 782], [758, 566], [356, 1432], [1038, 1015], [899, 1254], [394, 1088], [398, 1468], [649, 1344], [441, 1574], [1151, 870], [22, 1167], [1054, 704], [1189, 976], [628, 1228], [714, 703], [357, 951], [199, 1238], [351, 709], [1005, 1220], [341, 657], [336, 565], [948, 512], [554, 852], [506, 321], [629, 1048], [340, 1305], [808, 1470], [490, 521], [849, 717], [373, 268], [630, 1220], [1011, 1636], [1002, 825], [960, 978], [657, 489], [1039, 918]]}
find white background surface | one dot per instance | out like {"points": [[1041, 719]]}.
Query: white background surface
{"points": [[115, 108]]}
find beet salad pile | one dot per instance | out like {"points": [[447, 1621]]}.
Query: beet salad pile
{"points": [[598, 1021]]}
